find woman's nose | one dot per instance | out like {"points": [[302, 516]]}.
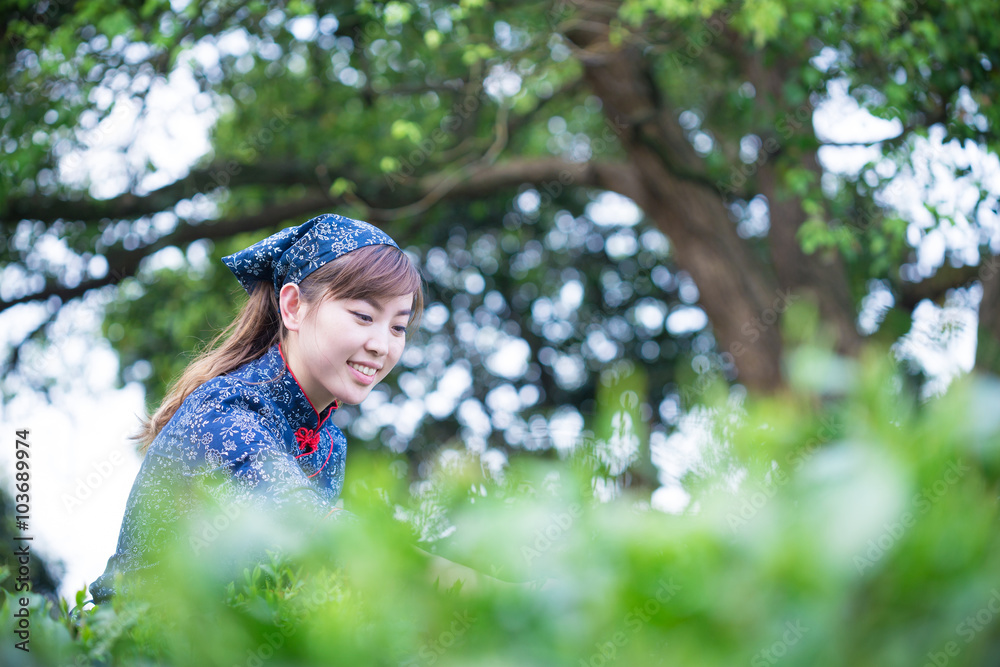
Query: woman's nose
{"points": [[378, 341]]}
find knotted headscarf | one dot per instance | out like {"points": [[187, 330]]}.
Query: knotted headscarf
{"points": [[295, 252]]}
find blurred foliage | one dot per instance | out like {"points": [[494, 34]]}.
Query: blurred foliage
{"points": [[533, 290], [843, 523]]}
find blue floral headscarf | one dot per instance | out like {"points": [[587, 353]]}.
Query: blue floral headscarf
{"points": [[293, 253]]}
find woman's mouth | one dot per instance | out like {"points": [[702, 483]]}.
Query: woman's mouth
{"points": [[367, 373]]}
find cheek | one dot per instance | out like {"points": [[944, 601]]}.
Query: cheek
{"points": [[396, 350], [321, 349], [317, 342]]}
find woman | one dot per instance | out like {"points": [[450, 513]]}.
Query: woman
{"points": [[248, 423]]}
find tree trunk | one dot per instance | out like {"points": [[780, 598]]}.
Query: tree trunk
{"points": [[742, 297], [988, 340], [739, 294], [821, 277]]}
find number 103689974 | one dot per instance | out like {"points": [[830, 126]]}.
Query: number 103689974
{"points": [[22, 508], [22, 479]]}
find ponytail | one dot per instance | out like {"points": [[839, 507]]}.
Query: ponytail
{"points": [[248, 337]]}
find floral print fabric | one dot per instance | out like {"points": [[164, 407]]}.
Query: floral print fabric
{"points": [[295, 252], [234, 437]]}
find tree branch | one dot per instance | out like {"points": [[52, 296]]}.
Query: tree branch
{"points": [[858, 144], [565, 93], [547, 173], [936, 287], [129, 206], [123, 264], [416, 88], [551, 173]]}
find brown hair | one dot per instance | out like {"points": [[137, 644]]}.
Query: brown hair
{"points": [[370, 272]]}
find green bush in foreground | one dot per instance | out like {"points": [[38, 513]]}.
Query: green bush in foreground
{"points": [[843, 523]]}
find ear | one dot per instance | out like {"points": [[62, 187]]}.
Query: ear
{"points": [[293, 308]]}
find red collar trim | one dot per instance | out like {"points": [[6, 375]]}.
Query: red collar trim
{"points": [[307, 438], [335, 404]]}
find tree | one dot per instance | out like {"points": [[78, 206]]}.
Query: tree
{"points": [[482, 135]]}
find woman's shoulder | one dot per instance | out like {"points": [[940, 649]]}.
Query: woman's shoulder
{"points": [[229, 396], [223, 407], [246, 387]]}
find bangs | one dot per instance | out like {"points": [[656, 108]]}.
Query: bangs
{"points": [[370, 272], [379, 270]]}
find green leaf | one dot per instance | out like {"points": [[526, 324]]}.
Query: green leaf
{"points": [[342, 185], [815, 234], [117, 23], [799, 180], [397, 12], [405, 129], [433, 39]]}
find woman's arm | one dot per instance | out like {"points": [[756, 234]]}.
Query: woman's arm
{"points": [[447, 573]]}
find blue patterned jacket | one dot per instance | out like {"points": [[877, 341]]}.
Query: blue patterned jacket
{"points": [[249, 439]]}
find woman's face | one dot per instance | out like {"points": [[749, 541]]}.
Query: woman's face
{"points": [[341, 348]]}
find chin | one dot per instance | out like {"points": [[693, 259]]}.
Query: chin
{"points": [[355, 399]]}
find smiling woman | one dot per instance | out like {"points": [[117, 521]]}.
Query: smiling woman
{"points": [[370, 337], [247, 426]]}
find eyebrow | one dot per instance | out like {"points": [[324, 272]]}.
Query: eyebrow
{"points": [[377, 306]]}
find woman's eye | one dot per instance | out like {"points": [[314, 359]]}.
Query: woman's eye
{"points": [[400, 329], [362, 317]]}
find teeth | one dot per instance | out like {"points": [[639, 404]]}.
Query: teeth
{"points": [[363, 369]]}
